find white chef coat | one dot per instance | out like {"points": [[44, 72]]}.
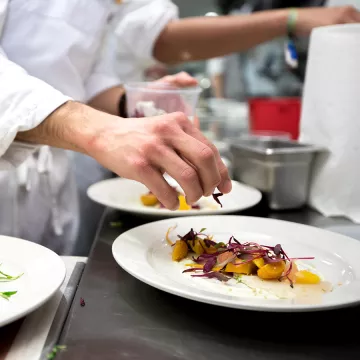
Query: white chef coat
{"points": [[132, 33], [57, 41]]}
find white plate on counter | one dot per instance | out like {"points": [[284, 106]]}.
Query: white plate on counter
{"points": [[42, 271], [145, 254], [123, 194]]}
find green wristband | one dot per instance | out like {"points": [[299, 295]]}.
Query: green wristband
{"points": [[291, 22]]}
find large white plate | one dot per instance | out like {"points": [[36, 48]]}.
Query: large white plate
{"points": [[43, 273], [124, 194], [144, 253]]}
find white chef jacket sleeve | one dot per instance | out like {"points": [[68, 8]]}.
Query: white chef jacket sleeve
{"points": [[138, 25], [25, 102]]}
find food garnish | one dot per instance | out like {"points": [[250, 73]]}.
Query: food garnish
{"points": [[5, 278], [216, 198], [55, 350], [223, 261], [7, 294]]}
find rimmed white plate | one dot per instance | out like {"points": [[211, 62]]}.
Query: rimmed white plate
{"points": [[43, 273], [145, 254], [124, 194]]}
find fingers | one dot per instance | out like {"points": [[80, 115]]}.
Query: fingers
{"points": [[156, 183], [181, 79], [196, 150], [185, 174], [196, 122], [202, 157], [224, 184], [186, 155], [355, 16]]}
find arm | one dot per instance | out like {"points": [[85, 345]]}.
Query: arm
{"points": [[141, 149], [24, 103], [199, 38]]}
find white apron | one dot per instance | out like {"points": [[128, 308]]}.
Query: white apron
{"points": [[39, 200]]}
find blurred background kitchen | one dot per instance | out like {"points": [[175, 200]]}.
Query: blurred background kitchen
{"points": [[254, 92]]}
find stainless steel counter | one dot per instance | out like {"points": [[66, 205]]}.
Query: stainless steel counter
{"points": [[126, 319]]}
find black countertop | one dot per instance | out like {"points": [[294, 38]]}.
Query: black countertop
{"points": [[126, 319]]}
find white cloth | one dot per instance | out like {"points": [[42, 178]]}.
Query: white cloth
{"points": [[131, 36]]}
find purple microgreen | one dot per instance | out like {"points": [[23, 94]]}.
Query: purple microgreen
{"points": [[209, 264], [214, 274], [277, 249], [209, 242], [216, 198]]}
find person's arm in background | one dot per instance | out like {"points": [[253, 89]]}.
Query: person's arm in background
{"points": [[198, 38]]}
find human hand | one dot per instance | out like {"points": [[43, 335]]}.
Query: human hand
{"points": [[310, 18], [181, 79], [143, 149]]}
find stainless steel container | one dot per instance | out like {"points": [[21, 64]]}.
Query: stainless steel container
{"points": [[278, 168]]}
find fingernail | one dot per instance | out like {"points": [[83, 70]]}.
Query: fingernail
{"points": [[225, 186]]}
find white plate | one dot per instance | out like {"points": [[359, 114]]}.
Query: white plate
{"points": [[43, 273], [124, 194], [144, 253]]}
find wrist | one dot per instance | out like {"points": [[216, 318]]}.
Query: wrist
{"points": [[88, 128], [75, 126]]}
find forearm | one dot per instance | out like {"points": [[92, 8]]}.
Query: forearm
{"points": [[73, 126], [108, 100], [202, 38]]}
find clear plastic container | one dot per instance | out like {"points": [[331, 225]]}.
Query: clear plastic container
{"points": [[155, 98]]}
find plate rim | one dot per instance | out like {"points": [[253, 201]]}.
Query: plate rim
{"points": [[177, 213], [60, 281], [197, 297]]}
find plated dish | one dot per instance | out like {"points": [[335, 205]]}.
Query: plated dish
{"points": [[132, 196], [8, 278], [266, 267], [244, 262], [29, 275]]}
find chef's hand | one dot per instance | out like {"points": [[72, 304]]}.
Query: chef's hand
{"points": [[143, 149], [310, 18], [181, 79]]}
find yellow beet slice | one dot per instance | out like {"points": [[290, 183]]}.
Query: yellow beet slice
{"points": [[271, 271], [259, 262], [149, 200], [246, 269], [199, 266], [197, 246], [180, 250], [306, 277], [183, 204]]}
